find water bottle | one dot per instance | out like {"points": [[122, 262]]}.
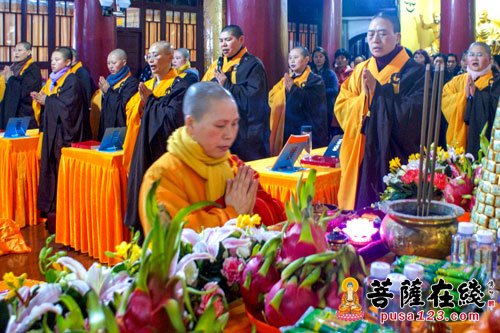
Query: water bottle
{"points": [[307, 130], [394, 305], [378, 271], [413, 272], [461, 244], [485, 253]]}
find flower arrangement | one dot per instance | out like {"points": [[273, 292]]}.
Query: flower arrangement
{"points": [[147, 291], [453, 180], [294, 269]]}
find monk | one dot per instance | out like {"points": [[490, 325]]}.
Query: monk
{"points": [[64, 120], [470, 100], [379, 107], [199, 166], [298, 99], [114, 92], [182, 64], [152, 121], [244, 76], [83, 74], [21, 78]]}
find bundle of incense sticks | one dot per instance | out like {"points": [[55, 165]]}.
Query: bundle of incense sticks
{"points": [[429, 135]]}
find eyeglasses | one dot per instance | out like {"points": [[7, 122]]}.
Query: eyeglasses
{"points": [[150, 56], [476, 54]]}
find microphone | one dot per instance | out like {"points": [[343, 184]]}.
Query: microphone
{"points": [[220, 62]]}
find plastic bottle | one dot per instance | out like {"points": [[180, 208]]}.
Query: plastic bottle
{"points": [[413, 272], [394, 305], [378, 271], [485, 253], [461, 244]]}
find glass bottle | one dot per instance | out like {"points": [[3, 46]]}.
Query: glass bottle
{"points": [[378, 271], [461, 244]]}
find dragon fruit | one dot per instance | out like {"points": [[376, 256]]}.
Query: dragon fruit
{"points": [[303, 236], [287, 301], [257, 279], [458, 191]]}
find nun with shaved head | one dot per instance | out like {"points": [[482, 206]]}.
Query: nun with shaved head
{"points": [[115, 91]]}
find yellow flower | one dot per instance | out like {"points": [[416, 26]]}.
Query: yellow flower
{"points": [[460, 150], [247, 221], [122, 249], [136, 253], [394, 164], [13, 282], [414, 157]]}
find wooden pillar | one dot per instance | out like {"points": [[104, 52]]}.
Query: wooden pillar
{"points": [[331, 38], [95, 36], [266, 32], [457, 25]]}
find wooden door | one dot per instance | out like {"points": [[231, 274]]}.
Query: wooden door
{"points": [[131, 42]]}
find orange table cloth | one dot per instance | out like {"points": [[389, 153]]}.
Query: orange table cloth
{"points": [[281, 184], [91, 201], [19, 172]]}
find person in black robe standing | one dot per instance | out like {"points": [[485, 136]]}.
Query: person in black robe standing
{"points": [[162, 116], [116, 90], [21, 78], [83, 74], [244, 76], [64, 120]]}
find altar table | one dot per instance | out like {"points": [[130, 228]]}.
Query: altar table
{"points": [[91, 201], [281, 185], [19, 172]]}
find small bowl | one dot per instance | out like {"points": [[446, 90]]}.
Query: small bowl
{"points": [[405, 233]]}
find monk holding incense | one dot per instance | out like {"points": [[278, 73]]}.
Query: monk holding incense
{"points": [[379, 107]]}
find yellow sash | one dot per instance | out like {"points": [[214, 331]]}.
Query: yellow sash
{"points": [[184, 67], [37, 108], [96, 102], [351, 108], [277, 103], [134, 111], [228, 65], [454, 104], [76, 67]]}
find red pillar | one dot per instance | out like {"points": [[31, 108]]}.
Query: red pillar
{"points": [[265, 32], [95, 36], [457, 25], [332, 27]]}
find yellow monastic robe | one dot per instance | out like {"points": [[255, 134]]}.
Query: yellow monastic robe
{"points": [[134, 111], [351, 108], [227, 66], [277, 103], [454, 104]]}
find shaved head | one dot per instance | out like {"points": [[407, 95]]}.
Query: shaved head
{"points": [[164, 47], [119, 54]]}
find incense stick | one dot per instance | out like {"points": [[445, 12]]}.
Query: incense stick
{"points": [[422, 135], [436, 137]]}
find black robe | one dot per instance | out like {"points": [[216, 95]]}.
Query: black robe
{"points": [[114, 102], [88, 85], [481, 110], [251, 95], [64, 120], [392, 130], [162, 116], [17, 100], [307, 106]]}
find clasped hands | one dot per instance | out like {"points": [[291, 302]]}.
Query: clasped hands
{"points": [[220, 77], [7, 73], [144, 93], [103, 84], [39, 97], [470, 87], [369, 83], [241, 191]]}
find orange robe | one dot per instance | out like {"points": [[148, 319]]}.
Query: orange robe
{"points": [[134, 111], [180, 186], [454, 105]]}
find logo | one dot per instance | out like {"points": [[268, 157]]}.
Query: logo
{"points": [[350, 309]]}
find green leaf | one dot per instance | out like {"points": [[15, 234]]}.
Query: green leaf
{"points": [[74, 318], [174, 314], [51, 276]]}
